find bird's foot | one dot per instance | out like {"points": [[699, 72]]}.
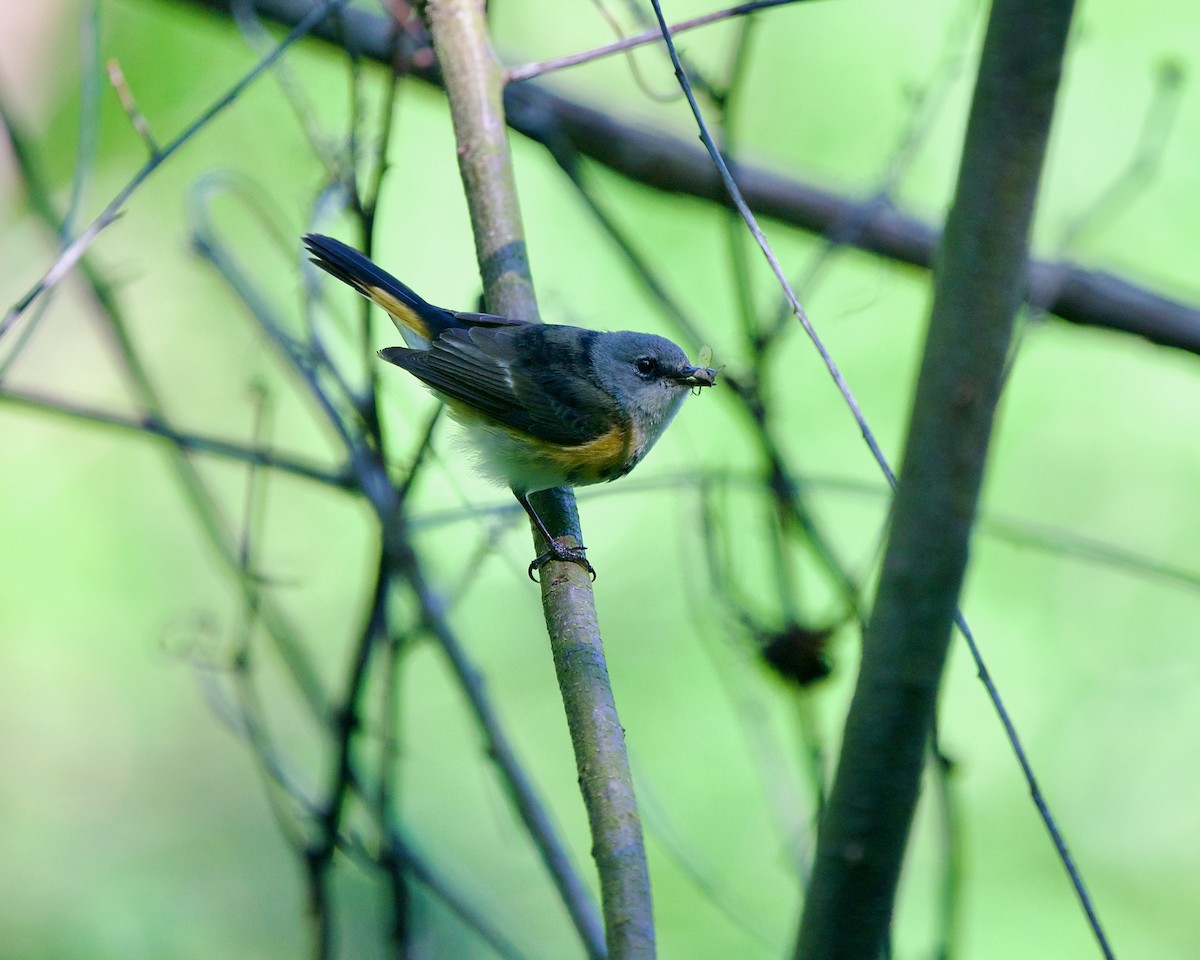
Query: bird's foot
{"points": [[564, 554]]}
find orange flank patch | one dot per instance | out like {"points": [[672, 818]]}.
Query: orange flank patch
{"points": [[401, 312], [527, 463], [609, 456]]}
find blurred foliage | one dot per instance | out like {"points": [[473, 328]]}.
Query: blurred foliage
{"points": [[134, 825]]}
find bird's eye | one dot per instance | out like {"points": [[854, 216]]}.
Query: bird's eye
{"points": [[646, 366]]}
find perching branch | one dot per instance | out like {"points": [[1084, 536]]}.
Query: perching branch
{"points": [[474, 88]]}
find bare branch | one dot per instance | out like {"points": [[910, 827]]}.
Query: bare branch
{"points": [[137, 119], [651, 157], [978, 289], [67, 259], [154, 426], [531, 70], [474, 87]]}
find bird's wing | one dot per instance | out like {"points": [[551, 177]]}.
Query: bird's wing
{"points": [[530, 378]]}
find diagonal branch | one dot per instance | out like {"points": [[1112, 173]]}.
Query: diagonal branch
{"points": [[652, 35], [675, 165], [70, 256], [155, 425]]}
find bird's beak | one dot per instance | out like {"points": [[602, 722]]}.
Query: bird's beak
{"points": [[697, 377]]}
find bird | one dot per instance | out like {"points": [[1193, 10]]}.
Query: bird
{"points": [[543, 405]]}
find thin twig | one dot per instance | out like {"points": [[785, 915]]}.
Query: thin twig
{"points": [[347, 721], [739, 202], [152, 426], [244, 14], [531, 70], [368, 207], [37, 191], [70, 256], [396, 848], [137, 119], [395, 853], [1035, 791], [631, 62]]}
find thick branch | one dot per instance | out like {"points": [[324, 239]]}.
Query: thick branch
{"points": [[977, 291], [675, 165]]}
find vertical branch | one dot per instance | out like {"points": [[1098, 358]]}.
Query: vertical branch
{"points": [[474, 85], [977, 291]]}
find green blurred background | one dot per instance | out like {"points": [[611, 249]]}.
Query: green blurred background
{"points": [[132, 824]]}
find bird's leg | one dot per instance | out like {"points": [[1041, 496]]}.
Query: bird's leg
{"points": [[556, 550]]}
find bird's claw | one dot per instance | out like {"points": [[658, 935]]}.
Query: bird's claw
{"points": [[564, 554]]}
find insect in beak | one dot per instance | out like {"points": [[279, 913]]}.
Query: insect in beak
{"points": [[703, 375]]}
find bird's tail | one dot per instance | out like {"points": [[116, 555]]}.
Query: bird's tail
{"points": [[413, 316]]}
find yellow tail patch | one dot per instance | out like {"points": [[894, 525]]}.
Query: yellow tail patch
{"points": [[401, 313]]}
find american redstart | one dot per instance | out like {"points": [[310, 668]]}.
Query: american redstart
{"points": [[545, 405]]}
